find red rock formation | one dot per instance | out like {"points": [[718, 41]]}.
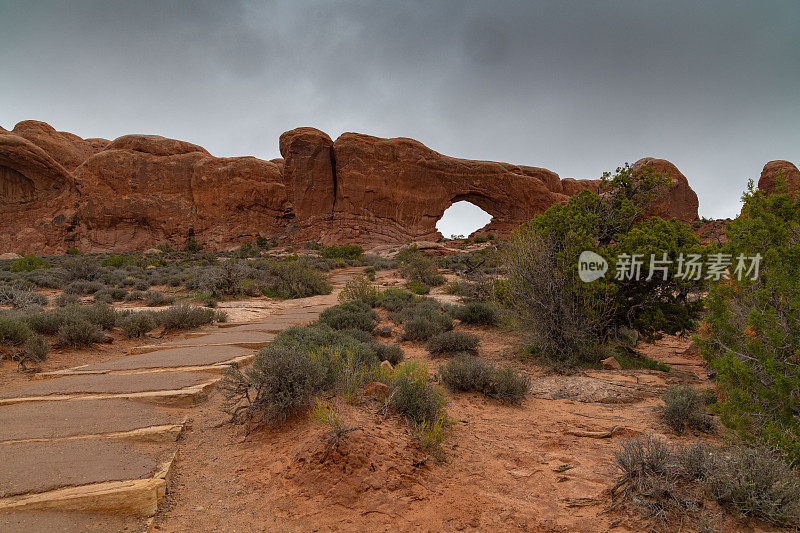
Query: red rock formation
{"points": [[571, 186], [58, 190], [308, 171], [66, 148], [143, 190], [37, 198], [679, 201], [776, 169], [390, 190]]}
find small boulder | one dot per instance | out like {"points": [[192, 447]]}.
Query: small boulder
{"points": [[377, 389], [9, 256], [387, 365], [385, 331], [611, 364], [150, 251]]}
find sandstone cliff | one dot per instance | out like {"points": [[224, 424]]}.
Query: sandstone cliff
{"points": [[58, 190]]}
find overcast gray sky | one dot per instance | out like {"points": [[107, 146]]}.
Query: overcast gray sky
{"points": [[574, 86]]}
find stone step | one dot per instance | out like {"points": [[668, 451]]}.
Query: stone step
{"points": [[194, 357], [74, 419], [69, 522], [165, 388], [37, 467]]}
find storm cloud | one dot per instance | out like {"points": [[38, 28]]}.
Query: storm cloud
{"points": [[576, 87]]}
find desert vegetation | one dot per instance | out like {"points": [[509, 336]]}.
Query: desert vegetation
{"points": [[76, 300]]}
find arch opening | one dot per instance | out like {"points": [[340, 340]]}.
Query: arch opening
{"points": [[462, 219]]}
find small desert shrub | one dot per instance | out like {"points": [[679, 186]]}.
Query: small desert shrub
{"points": [[395, 300], [345, 252], [509, 385], [450, 342], [79, 333], [82, 287], [183, 316], [135, 325], [662, 481], [684, 408], [103, 297], [476, 313], [467, 373], [644, 455], [13, 330], [354, 314], [420, 329], [101, 315], [359, 288], [225, 279], [416, 399], [695, 460], [81, 268], [470, 373], [286, 279], [64, 299], [28, 263], [47, 278], [417, 267], [291, 370], [114, 261], [331, 418], [388, 352], [36, 348], [756, 482], [370, 273], [192, 246], [358, 334], [134, 296], [21, 297], [417, 287], [141, 285], [157, 299], [282, 381], [454, 288]]}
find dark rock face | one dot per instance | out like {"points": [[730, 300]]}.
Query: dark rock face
{"points": [[135, 192]]}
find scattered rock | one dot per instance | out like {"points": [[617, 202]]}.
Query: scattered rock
{"points": [[589, 390], [150, 251], [9, 256], [611, 363], [376, 389], [387, 365]]}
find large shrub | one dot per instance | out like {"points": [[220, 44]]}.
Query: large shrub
{"points": [[289, 372], [569, 319], [751, 335]]}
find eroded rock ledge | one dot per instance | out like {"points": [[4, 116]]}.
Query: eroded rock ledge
{"points": [[58, 190]]}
